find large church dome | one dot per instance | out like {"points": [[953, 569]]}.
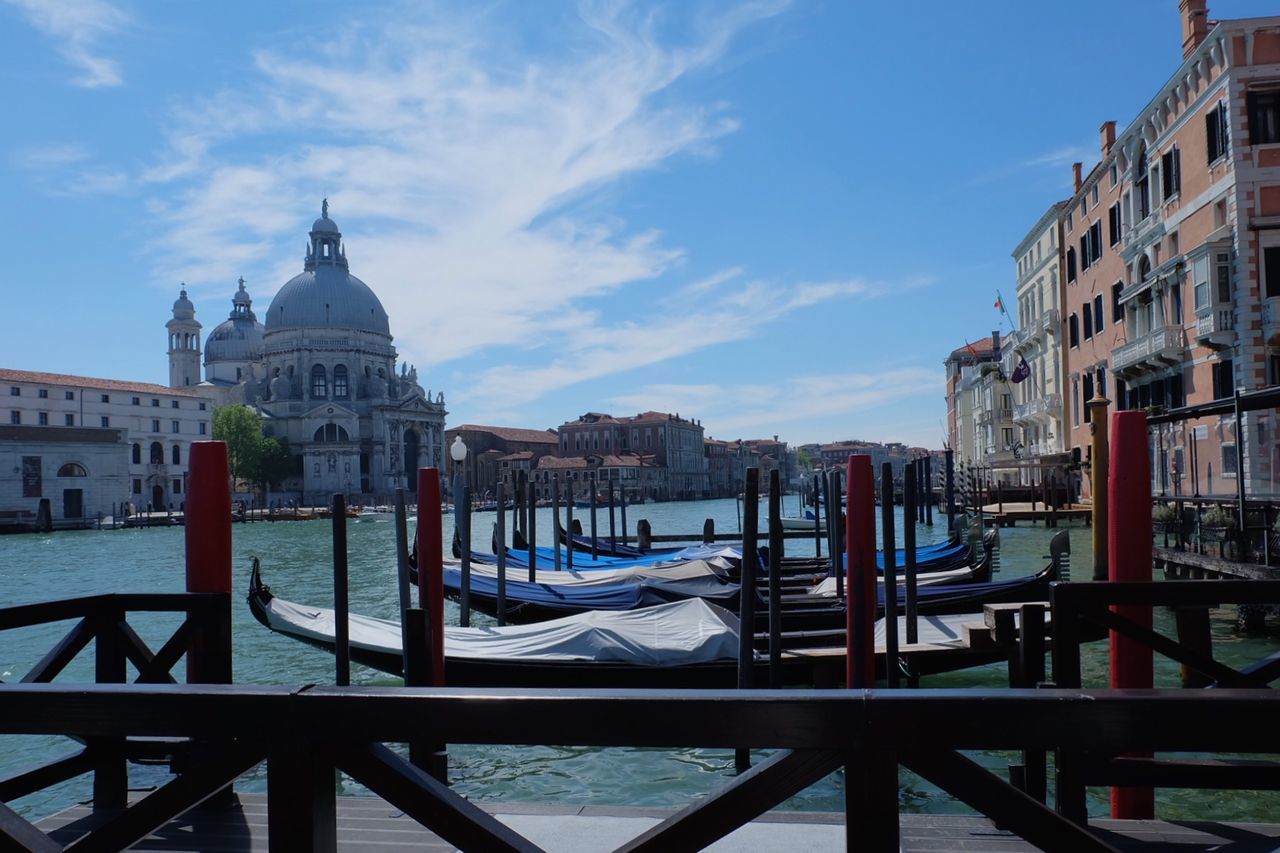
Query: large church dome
{"points": [[239, 337], [325, 295]]}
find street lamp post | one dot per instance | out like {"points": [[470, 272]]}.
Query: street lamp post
{"points": [[462, 523]]}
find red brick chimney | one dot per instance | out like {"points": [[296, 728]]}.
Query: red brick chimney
{"points": [[1078, 179], [1107, 134], [1195, 24]]}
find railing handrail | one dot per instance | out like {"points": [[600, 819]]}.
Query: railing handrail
{"points": [[61, 609]]}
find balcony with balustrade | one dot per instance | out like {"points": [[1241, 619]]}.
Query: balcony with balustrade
{"points": [[1039, 409], [1163, 346], [1216, 326]]}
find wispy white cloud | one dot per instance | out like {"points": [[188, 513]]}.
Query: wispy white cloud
{"points": [[1059, 157], [816, 407], [50, 157], [78, 26]]}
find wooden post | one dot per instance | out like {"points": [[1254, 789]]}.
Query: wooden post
{"points": [[1031, 673], [568, 528], [1129, 559], [644, 535], [464, 558], [890, 541], [515, 508], [1193, 633], [1242, 533], [1098, 479], [921, 494], [208, 558], [341, 595], [909, 559], [431, 757], [928, 491], [502, 557], [817, 516], [595, 543], [709, 531], [775, 580], [613, 530], [110, 768], [431, 566], [747, 598], [402, 573], [860, 604], [555, 516], [950, 493], [532, 533], [622, 508]]}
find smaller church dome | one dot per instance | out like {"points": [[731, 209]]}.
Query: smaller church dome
{"points": [[324, 223], [182, 307], [239, 337]]}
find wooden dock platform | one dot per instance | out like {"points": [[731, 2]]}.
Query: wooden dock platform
{"points": [[1182, 565], [371, 824], [1008, 513]]}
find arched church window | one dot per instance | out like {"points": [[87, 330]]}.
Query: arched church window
{"points": [[319, 382], [137, 453], [331, 432], [340, 382], [72, 469], [177, 455], [157, 453]]}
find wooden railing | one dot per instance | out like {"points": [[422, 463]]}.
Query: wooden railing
{"points": [[305, 732]]}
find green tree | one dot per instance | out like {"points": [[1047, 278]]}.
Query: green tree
{"points": [[241, 428], [803, 461], [275, 461]]}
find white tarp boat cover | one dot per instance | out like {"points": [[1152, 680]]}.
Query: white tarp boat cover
{"points": [[683, 632], [828, 585], [604, 577]]}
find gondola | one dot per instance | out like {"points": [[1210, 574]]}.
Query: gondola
{"points": [[610, 650]]}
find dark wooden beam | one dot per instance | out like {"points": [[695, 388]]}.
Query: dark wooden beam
{"points": [[1223, 674], [1003, 803], [62, 654], [162, 664], [773, 780], [429, 801], [36, 778], [17, 834]]}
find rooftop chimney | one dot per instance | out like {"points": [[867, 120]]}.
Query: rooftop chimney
{"points": [[1107, 134], [1195, 24], [1077, 179], [995, 343]]}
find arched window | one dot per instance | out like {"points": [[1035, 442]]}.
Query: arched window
{"points": [[72, 469], [331, 432], [340, 382], [157, 453], [319, 382], [137, 453], [177, 455]]}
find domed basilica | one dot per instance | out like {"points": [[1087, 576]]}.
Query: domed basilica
{"points": [[322, 372]]}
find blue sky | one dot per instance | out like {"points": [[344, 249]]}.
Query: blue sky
{"points": [[776, 217]]}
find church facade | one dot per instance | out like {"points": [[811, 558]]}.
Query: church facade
{"points": [[322, 371]]}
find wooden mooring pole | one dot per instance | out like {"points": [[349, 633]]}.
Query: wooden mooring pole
{"points": [[747, 598], [341, 594], [500, 535], [860, 603], [950, 492], [555, 517], [1129, 559], [431, 566], [208, 557], [889, 541], [775, 580]]}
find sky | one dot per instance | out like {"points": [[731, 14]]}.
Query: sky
{"points": [[776, 218]]}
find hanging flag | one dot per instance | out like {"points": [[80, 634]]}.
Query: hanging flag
{"points": [[998, 304], [1022, 371]]}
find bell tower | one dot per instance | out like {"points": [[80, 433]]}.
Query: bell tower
{"points": [[184, 344]]}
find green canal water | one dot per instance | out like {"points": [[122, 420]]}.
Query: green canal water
{"points": [[296, 562]]}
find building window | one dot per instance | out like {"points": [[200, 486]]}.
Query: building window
{"points": [[43, 393], [15, 418], [1217, 129], [1171, 172], [1200, 281], [1271, 270], [1264, 117], [1117, 310], [1088, 321], [202, 407], [176, 456], [173, 426], [173, 404], [69, 395], [1071, 264], [137, 486], [319, 382], [72, 469], [1073, 331], [137, 454], [177, 487], [157, 453], [137, 401], [106, 421], [1229, 466], [43, 419], [202, 427], [155, 403], [331, 432], [1087, 390], [340, 382], [70, 420], [1113, 224], [155, 424], [1091, 246], [1113, 174], [15, 391], [1097, 313], [1223, 379]]}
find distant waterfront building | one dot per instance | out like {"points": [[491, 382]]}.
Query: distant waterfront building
{"points": [[666, 442], [91, 445], [495, 453], [1033, 355], [972, 380], [321, 369]]}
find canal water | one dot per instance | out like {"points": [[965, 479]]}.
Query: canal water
{"points": [[296, 563]]}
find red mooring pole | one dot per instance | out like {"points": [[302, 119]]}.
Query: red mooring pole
{"points": [[1129, 559], [208, 544], [860, 553], [431, 566]]}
